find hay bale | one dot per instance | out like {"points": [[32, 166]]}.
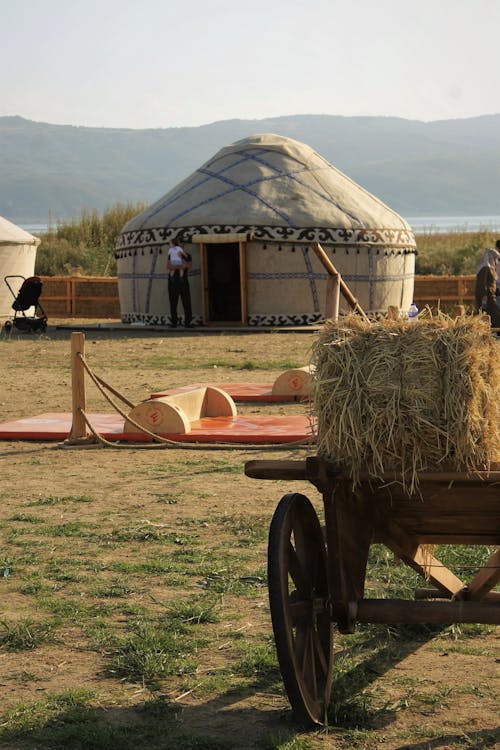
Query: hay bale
{"points": [[408, 397]]}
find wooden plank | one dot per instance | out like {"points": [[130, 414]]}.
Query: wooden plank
{"points": [[465, 512], [72, 296], [441, 478], [349, 534], [81, 298], [400, 611], [427, 593], [423, 562], [486, 578]]}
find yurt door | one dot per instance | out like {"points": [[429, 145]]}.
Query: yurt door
{"points": [[223, 278]]}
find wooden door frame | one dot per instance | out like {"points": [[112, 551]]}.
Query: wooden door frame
{"points": [[204, 241]]}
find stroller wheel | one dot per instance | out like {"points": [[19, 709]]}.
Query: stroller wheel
{"points": [[7, 326]]}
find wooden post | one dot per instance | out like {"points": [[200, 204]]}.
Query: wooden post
{"points": [[79, 426], [332, 297], [243, 281], [73, 297], [486, 578], [332, 271], [204, 283], [69, 301]]}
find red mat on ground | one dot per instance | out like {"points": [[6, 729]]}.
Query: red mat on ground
{"points": [[241, 429], [241, 392]]}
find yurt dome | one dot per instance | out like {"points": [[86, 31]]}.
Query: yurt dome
{"points": [[248, 217], [17, 259]]}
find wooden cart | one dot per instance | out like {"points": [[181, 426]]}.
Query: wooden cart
{"points": [[316, 575]]}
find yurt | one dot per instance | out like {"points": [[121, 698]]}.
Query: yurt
{"points": [[248, 217], [17, 260]]}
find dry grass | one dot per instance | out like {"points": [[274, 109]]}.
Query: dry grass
{"points": [[407, 396]]}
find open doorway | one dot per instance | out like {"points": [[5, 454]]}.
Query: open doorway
{"points": [[223, 282]]}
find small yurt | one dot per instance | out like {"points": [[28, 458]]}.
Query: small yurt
{"points": [[248, 217], [17, 260]]}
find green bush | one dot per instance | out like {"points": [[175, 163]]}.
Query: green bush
{"points": [[84, 246], [451, 254]]}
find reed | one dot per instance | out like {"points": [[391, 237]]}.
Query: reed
{"points": [[85, 245], [451, 253]]}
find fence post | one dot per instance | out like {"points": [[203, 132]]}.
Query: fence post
{"points": [[73, 297], [79, 426], [69, 309]]}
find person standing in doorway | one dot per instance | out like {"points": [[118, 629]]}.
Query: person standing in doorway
{"points": [[486, 284], [178, 265]]}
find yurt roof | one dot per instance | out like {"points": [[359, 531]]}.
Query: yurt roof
{"points": [[275, 185], [11, 234]]}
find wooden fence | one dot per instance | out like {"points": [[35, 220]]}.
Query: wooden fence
{"points": [[97, 297], [80, 297], [444, 291]]}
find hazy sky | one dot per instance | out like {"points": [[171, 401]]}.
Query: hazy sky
{"points": [[159, 63]]}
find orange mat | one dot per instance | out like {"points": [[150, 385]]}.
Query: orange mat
{"points": [[240, 392], [240, 429]]}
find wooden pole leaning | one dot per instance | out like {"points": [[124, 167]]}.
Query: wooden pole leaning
{"points": [[78, 433], [393, 312], [344, 289]]}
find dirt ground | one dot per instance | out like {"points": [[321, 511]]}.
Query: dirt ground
{"points": [[171, 489]]}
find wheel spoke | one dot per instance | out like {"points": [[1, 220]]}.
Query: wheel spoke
{"points": [[295, 569], [309, 666], [319, 651], [306, 656]]}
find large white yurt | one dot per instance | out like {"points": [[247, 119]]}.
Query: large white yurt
{"points": [[17, 261], [248, 217]]}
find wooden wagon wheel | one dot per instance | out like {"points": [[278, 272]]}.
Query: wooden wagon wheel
{"points": [[298, 597]]}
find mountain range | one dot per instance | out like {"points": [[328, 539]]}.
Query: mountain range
{"points": [[444, 167]]}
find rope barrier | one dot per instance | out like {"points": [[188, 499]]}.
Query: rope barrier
{"points": [[160, 441]]}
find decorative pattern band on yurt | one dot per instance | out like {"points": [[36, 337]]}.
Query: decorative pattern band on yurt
{"points": [[17, 261], [248, 217]]}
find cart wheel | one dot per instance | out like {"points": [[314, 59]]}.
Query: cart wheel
{"points": [[298, 597]]}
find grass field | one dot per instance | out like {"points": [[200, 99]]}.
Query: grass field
{"points": [[133, 609]]}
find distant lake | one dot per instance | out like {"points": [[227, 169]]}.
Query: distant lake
{"points": [[419, 224], [35, 229]]}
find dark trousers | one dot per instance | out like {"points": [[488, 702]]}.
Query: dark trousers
{"points": [[178, 286]]}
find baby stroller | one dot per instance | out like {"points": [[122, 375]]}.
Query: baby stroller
{"points": [[27, 297]]}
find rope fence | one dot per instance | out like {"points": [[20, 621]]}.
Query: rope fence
{"points": [[78, 436]]}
